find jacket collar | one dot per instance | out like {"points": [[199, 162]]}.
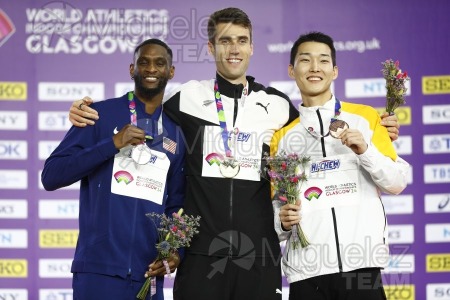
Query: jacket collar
{"points": [[229, 89]]}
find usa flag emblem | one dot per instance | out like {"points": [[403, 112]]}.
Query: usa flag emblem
{"points": [[169, 145]]}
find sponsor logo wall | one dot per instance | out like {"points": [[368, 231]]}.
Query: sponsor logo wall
{"points": [[53, 52]]}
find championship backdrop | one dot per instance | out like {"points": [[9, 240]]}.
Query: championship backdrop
{"points": [[53, 52]]}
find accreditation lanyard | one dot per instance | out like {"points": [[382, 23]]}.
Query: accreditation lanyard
{"points": [[337, 112], [133, 116], [222, 119]]}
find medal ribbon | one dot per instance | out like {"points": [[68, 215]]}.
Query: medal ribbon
{"points": [[337, 112], [133, 116], [221, 114]]}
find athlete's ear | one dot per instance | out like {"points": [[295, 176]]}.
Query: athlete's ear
{"points": [[211, 49], [131, 70], [291, 71], [171, 72], [335, 70]]}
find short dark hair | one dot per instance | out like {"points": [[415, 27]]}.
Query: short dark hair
{"points": [[154, 42], [313, 36], [231, 15]]}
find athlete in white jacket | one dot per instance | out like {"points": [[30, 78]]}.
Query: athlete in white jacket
{"points": [[341, 211]]}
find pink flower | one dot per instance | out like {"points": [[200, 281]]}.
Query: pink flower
{"points": [[294, 179], [283, 165], [282, 198]]}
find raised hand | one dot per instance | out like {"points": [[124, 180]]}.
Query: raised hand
{"points": [[80, 114], [391, 124], [353, 139], [129, 134]]}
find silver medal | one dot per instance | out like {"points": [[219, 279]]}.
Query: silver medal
{"points": [[141, 154], [229, 167]]}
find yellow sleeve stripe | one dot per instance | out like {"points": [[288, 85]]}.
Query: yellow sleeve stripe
{"points": [[278, 135], [380, 136]]}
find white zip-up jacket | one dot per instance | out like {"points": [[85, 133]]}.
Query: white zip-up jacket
{"points": [[341, 211]]}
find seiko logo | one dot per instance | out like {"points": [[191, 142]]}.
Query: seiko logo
{"points": [[58, 238], [67, 91], [403, 114], [13, 91], [400, 291], [438, 262], [436, 85], [13, 268]]}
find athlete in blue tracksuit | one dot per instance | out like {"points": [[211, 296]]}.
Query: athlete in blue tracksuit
{"points": [[116, 240]]}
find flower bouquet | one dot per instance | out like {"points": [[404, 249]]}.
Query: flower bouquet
{"points": [[395, 84], [174, 232], [286, 173]]}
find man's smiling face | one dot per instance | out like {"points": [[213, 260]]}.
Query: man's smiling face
{"points": [[232, 49], [313, 71]]}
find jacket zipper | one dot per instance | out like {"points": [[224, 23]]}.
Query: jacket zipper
{"points": [[230, 249], [322, 139], [235, 112], [336, 236], [385, 221], [133, 231], [333, 212]]}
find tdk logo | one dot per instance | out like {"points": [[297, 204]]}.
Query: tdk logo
{"points": [[325, 165]]}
